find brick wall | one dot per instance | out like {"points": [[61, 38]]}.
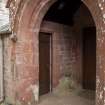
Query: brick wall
{"points": [[66, 51]]}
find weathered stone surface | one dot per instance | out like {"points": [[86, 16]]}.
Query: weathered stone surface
{"points": [[4, 13], [26, 63]]}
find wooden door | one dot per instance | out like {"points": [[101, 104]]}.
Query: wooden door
{"points": [[89, 58], [44, 63]]}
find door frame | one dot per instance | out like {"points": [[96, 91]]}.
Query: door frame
{"points": [[51, 58]]}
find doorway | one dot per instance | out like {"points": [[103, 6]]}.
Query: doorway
{"points": [[44, 63], [67, 54], [89, 58]]}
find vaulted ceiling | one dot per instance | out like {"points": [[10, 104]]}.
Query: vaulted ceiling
{"points": [[63, 11]]}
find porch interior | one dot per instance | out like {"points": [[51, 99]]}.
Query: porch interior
{"points": [[68, 57]]}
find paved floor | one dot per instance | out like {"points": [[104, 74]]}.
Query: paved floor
{"points": [[81, 97]]}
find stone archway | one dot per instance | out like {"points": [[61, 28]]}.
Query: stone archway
{"points": [[27, 30]]}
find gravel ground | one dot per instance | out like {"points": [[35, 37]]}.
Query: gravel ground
{"points": [[73, 97]]}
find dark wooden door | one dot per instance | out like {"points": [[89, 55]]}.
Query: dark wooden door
{"points": [[89, 58], [44, 62]]}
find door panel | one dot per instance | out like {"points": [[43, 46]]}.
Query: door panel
{"points": [[44, 63], [89, 58]]}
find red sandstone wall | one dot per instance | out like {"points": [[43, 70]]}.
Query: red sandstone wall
{"points": [[20, 9]]}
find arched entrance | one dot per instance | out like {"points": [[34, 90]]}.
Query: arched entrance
{"points": [[30, 32], [67, 50]]}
